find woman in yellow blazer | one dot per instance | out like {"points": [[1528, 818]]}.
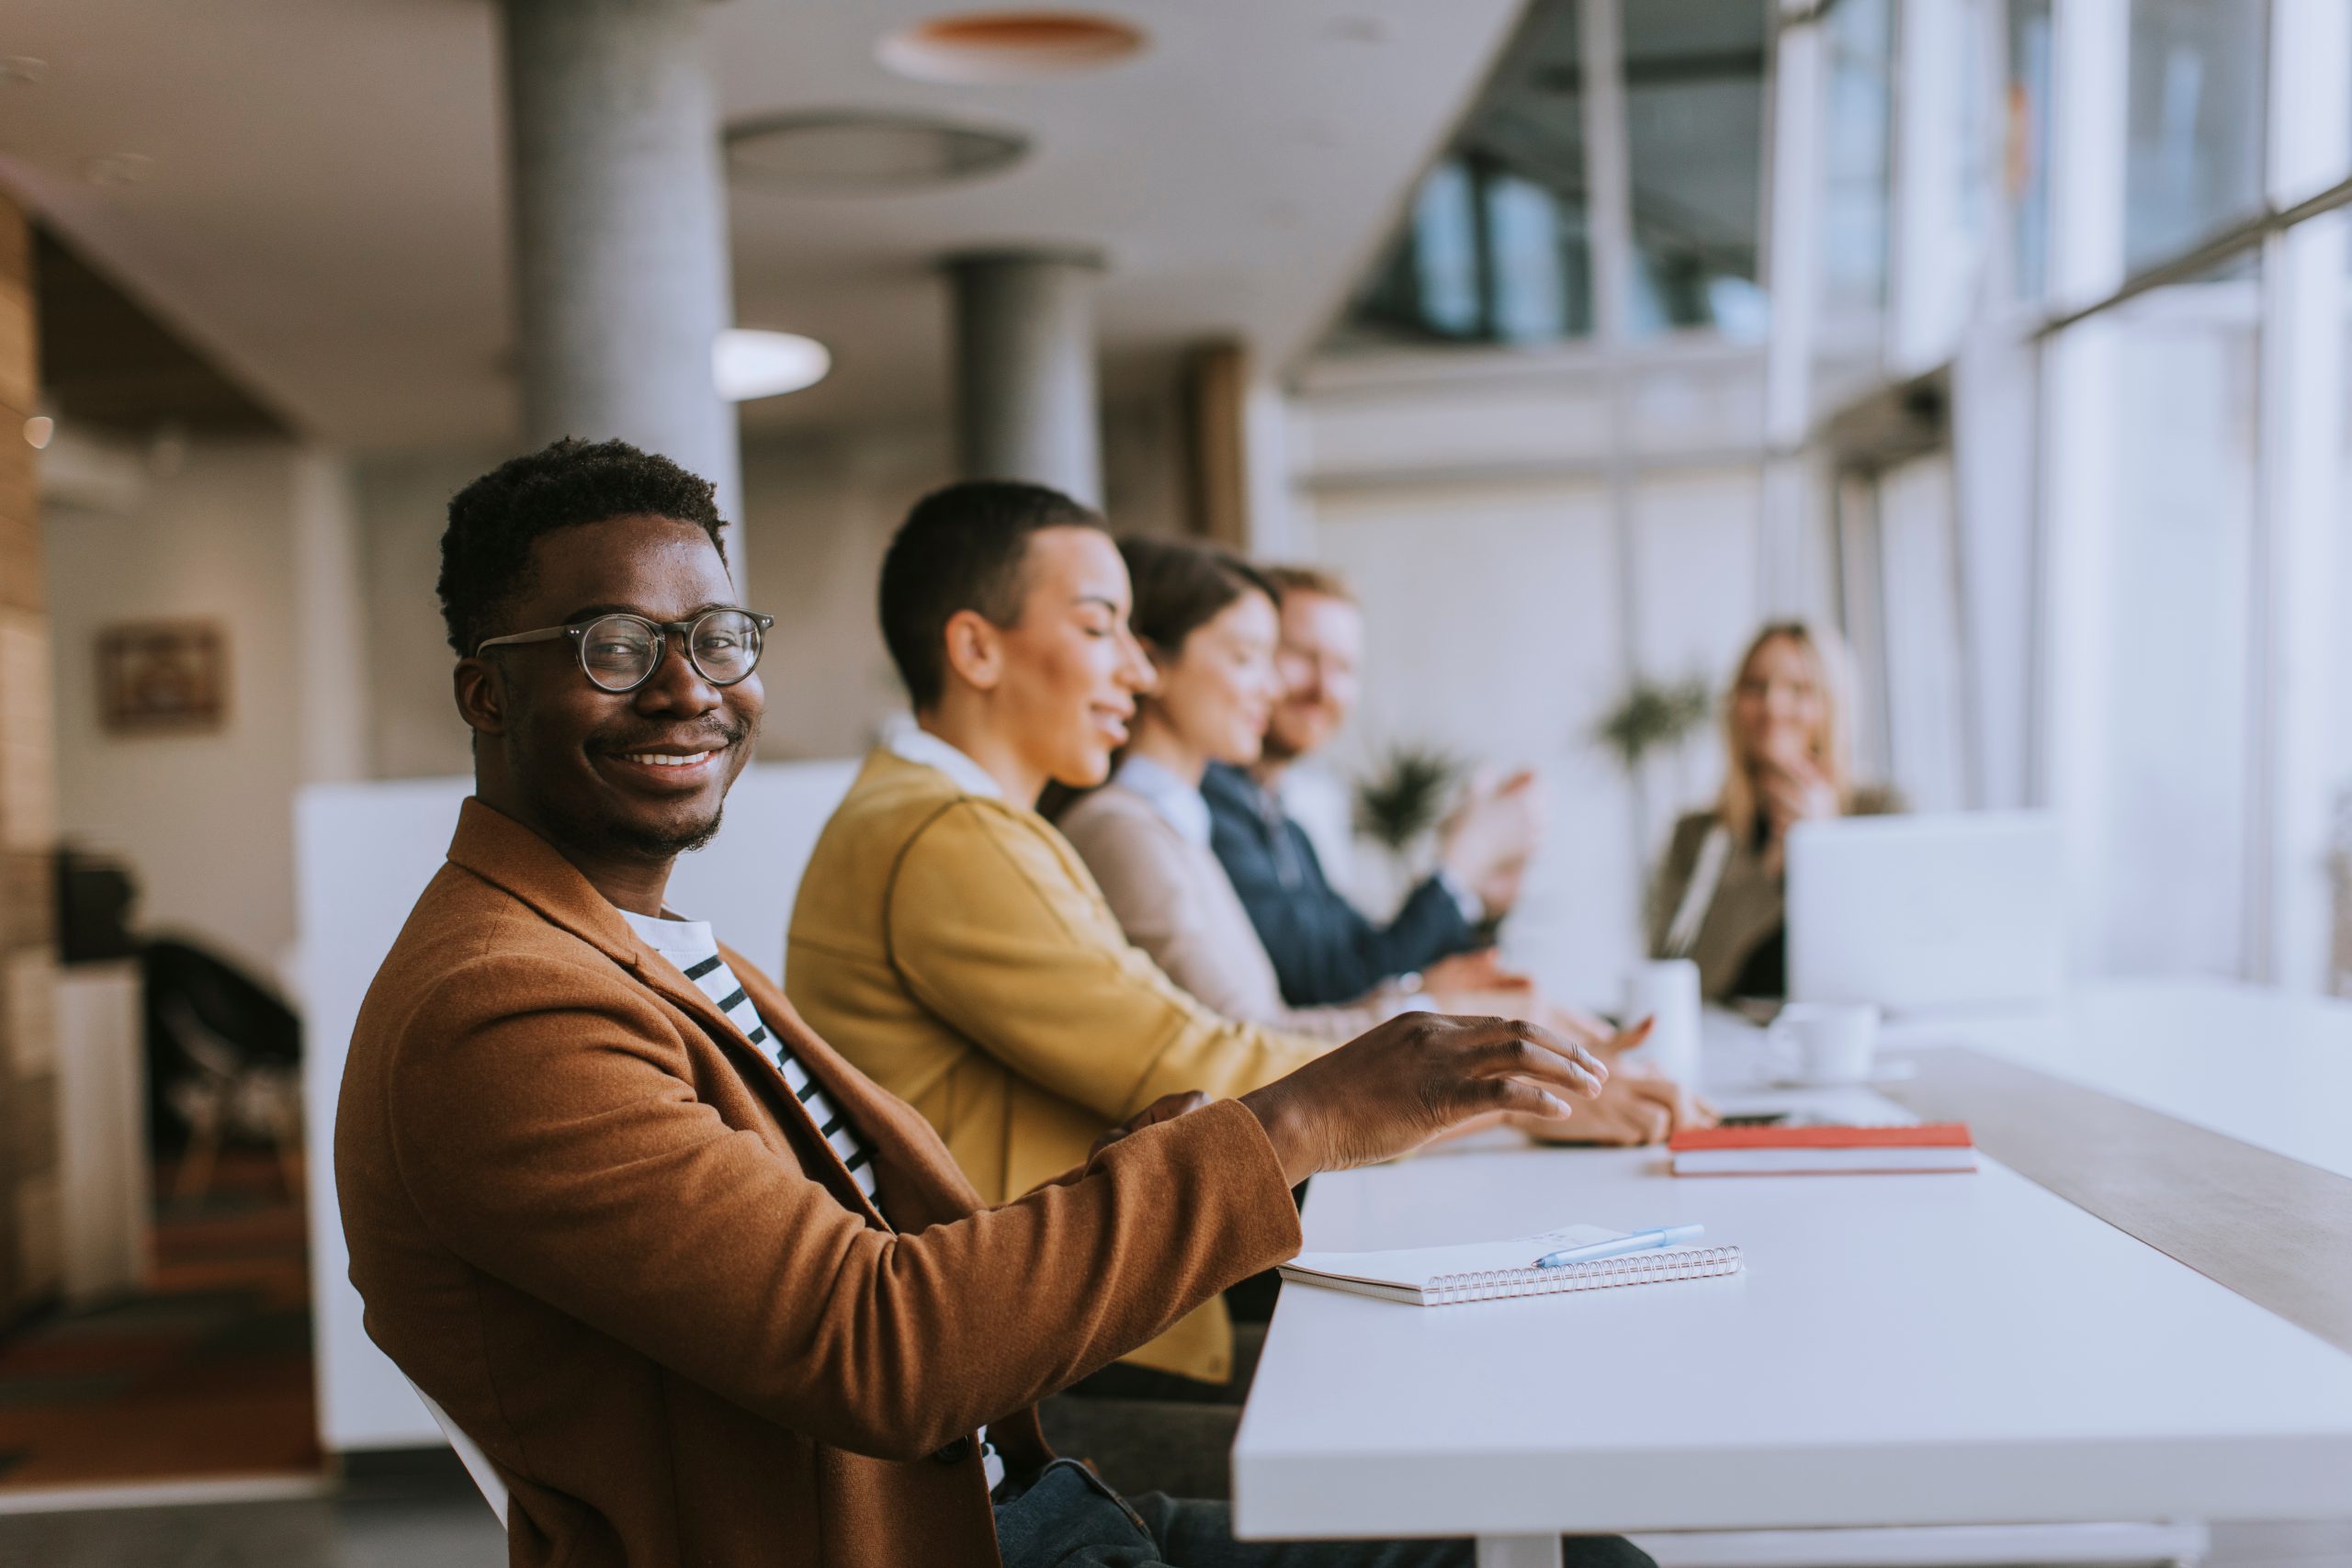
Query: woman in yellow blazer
{"points": [[1718, 898], [949, 935]]}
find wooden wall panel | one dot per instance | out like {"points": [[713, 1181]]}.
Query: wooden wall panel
{"points": [[28, 1174]]}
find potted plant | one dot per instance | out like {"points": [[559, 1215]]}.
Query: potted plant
{"points": [[1652, 718], [1404, 798]]}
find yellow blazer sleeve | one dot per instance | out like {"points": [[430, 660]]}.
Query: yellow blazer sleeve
{"points": [[995, 926]]}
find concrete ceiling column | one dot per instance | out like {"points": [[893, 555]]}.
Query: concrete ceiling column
{"points": [[619, 211], [1026, 407]]}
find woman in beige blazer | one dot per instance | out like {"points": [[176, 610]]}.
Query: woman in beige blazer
{"points": [[1718, 898], [1208, 621]]}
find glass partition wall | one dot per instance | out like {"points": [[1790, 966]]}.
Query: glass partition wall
{"points": [[2161, 315], [2024, 326]]}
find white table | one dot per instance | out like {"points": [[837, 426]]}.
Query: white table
{"points": [[1902, 1351], [2271, 1070]]}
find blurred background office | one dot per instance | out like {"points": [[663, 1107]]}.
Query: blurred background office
{"points": [[1581, 337]]}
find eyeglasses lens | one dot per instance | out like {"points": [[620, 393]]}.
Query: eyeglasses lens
{"points": [[618, 651], [726, 645]]}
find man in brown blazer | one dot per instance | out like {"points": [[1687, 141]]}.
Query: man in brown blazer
{"points": [[700, 1290]]}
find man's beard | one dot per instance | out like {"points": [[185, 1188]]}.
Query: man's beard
{"points": [[1276, 751], [655, 843]]}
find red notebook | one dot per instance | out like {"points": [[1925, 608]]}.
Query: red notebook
{"points": [[1792, 1151]]}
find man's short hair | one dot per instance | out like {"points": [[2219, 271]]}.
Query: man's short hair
{"points": [[1290, 580], [486, 550], [963, 547]]}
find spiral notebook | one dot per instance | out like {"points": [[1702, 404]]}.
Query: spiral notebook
{"points": [[1489, 1271]]}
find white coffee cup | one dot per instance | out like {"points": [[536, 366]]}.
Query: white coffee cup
{"points": [[1825, 1043], [1667, 990]]}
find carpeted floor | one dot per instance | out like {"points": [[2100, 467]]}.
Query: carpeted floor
{"points": [[205, 1374]]}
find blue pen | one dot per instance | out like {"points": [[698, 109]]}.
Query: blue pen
{"points": [[1640, 1241]]}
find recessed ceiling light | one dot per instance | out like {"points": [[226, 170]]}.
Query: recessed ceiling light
{"points": [[1009, 46], [858, 151], [38, 430], [746, 363]]}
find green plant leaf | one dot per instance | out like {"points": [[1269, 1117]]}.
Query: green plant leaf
{"points": [[1405, 797]]}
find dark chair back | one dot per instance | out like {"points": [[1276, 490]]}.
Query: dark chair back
{"points": [[200, 1006]]}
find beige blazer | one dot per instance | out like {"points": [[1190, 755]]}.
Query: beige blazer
{"points": [[1749, 906], [955, 946], [587, 1218], [1174, 901]]}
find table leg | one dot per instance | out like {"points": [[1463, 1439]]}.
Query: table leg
{"points": [[1518, 1551]]}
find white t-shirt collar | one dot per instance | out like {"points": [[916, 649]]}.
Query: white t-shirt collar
{"points": [[683, 942], [913, 744], [1186, 809]]}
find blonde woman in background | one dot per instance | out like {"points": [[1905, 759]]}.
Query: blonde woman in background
{"points": [[1788, 744]]}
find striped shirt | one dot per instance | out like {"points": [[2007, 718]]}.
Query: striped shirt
{"points": [[690, 945]]}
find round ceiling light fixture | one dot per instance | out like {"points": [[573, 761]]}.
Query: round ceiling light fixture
{"points": [[746, 363], [1009, 46], [852, 152]]}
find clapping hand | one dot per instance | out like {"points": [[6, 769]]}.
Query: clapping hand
{"points": [[1486, 845]]}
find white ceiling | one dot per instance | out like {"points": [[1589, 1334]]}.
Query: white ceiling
{"points": [[325, 209]]}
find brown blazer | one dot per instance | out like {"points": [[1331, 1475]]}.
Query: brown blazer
{"points": [[588, 1218]]}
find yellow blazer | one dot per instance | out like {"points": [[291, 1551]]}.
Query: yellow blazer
{"points": [[957, 951]]}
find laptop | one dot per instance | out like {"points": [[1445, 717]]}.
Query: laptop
{"points": [[1927, 913]]}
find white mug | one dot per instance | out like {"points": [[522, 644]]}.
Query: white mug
{"points": [[1667, 990], [1825, 1043]]}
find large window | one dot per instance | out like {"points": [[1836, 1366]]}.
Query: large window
{"points": [[1857, 131], [1694, 116], [2196, 123], [1497, 244], [2027, 180], [2162, 614], [1494, 248]]}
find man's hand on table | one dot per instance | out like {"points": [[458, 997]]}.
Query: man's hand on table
{"points": [[1420, 1074], [1637, 1107], [1573, 1025]]}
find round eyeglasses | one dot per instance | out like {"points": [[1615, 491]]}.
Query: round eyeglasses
{"points": [[620, 652]]}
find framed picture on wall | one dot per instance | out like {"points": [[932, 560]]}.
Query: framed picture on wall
{"points": [[163, 677]]}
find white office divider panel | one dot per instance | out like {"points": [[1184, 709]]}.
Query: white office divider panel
{"points": [[363, 852]]}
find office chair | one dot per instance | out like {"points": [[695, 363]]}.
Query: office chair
{"points": [[470, 1454], [224, 1058]]}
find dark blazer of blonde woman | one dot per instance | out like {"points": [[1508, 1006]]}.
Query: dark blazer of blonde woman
{"points": [[1723, 904]]}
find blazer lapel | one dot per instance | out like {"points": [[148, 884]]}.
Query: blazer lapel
{"points": [[502, 850], [663, 977], [919, 1177]]}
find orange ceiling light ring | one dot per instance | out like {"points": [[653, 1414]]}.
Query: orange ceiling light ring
{"points": [[984, 47]]}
